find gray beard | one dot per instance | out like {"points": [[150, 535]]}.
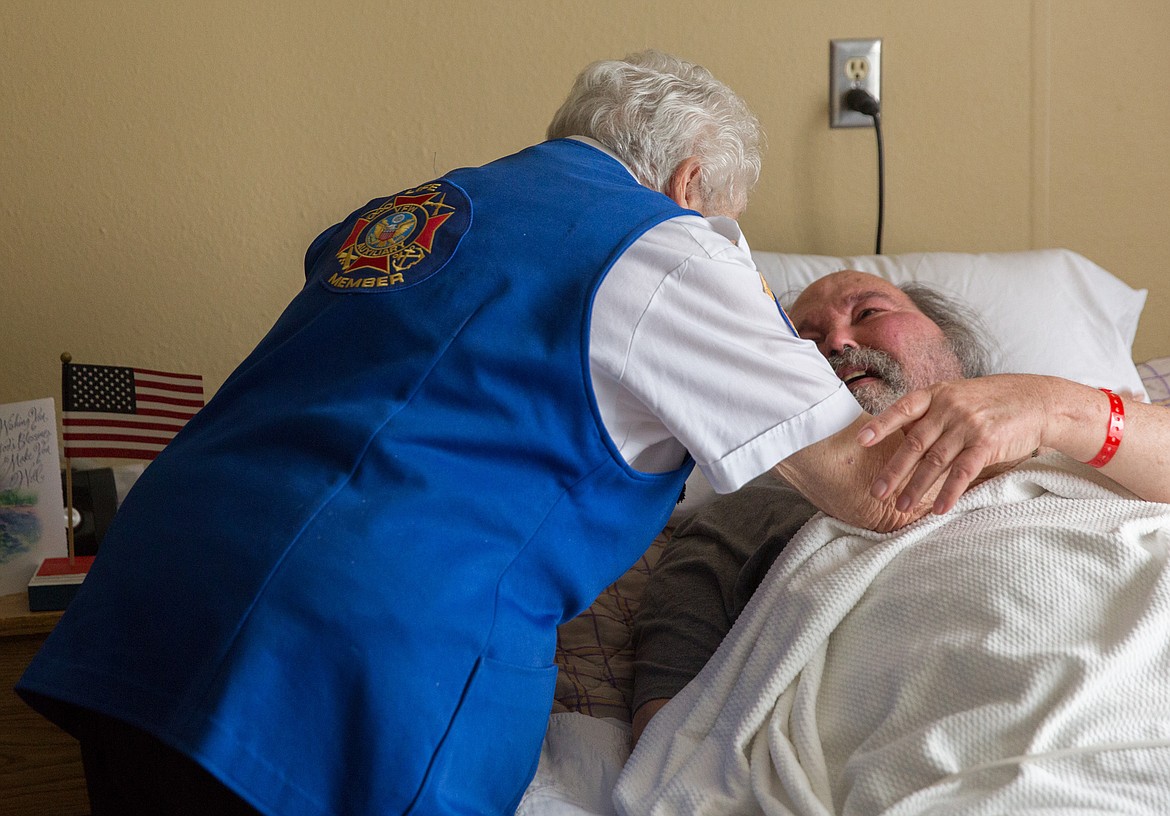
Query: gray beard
{"points": [[892, 382]]}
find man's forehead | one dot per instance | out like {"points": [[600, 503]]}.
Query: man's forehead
{"points": [[843, 290]]}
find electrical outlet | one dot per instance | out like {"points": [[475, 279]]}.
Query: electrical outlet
{"points": [[853, 64]]}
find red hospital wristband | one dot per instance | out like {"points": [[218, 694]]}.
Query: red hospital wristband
{"points": [[1113, 434]]}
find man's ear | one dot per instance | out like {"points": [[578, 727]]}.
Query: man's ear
{"points": [[683, 187]]}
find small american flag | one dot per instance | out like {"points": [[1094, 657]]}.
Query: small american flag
{"points": [[124, 413]]}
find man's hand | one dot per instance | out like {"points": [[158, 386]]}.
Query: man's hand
{"points": [[971, 428], [643, 716]]}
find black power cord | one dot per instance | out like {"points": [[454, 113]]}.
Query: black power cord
{"points": [[863, 101]]}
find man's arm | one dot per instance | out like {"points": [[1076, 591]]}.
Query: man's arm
{"points": [[687, 604], [705, 577], [955, 429], [643, 715]]}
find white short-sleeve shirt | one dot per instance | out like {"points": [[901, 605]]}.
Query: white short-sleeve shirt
{"points": [[688, 352]]}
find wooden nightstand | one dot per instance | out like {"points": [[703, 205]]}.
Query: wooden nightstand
{"points": [[40, 765]]}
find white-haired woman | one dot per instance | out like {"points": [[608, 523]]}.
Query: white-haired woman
{"points": [[337, 590]]}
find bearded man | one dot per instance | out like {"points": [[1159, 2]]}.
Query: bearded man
{"points": [[891, 346]]}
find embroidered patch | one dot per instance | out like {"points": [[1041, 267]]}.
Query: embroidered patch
{"points": [[776, 300], [403, 240]]}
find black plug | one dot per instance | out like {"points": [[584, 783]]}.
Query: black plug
{"points": [[862, 101]]}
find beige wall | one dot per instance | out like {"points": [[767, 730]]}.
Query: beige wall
{"points": [[165, 164]]}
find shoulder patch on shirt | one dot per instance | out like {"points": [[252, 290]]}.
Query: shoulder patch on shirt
{"points": [[402, 240], [776, 300]]}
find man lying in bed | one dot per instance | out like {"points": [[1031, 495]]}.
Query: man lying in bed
{"points": [[1008, 656], [883, 342]]}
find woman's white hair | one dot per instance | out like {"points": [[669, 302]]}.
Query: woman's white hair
{"points": [[654, 111]]}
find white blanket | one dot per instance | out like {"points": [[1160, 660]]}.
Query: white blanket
{"points": [[1012, 656]]}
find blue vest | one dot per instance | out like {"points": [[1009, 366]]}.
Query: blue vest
{"points": [[338, 587]]}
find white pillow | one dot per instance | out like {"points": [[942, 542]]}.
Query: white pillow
{"points": [[1047, 311]]}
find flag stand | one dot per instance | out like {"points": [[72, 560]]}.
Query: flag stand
{"points": [[66, 359], [69, 509]]}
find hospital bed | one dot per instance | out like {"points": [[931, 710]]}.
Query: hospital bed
{"points": [[1047, 312]]}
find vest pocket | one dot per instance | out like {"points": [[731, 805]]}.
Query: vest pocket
{"points": [[490, 751]]}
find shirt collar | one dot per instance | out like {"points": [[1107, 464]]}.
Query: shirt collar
{"points": [[729, 229]]}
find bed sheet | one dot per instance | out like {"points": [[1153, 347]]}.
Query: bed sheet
{"points": [[1077, 662], [595, 651], [1156, 378], [1007, 657], [587, 741]]}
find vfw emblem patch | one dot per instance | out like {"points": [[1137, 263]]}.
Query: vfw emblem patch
{"points": [[403, 240]]}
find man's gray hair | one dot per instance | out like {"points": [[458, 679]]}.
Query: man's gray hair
{"points": [[960, 325], [654, 111]]}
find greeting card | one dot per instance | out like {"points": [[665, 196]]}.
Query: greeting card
{"points": [[32, 511]]}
